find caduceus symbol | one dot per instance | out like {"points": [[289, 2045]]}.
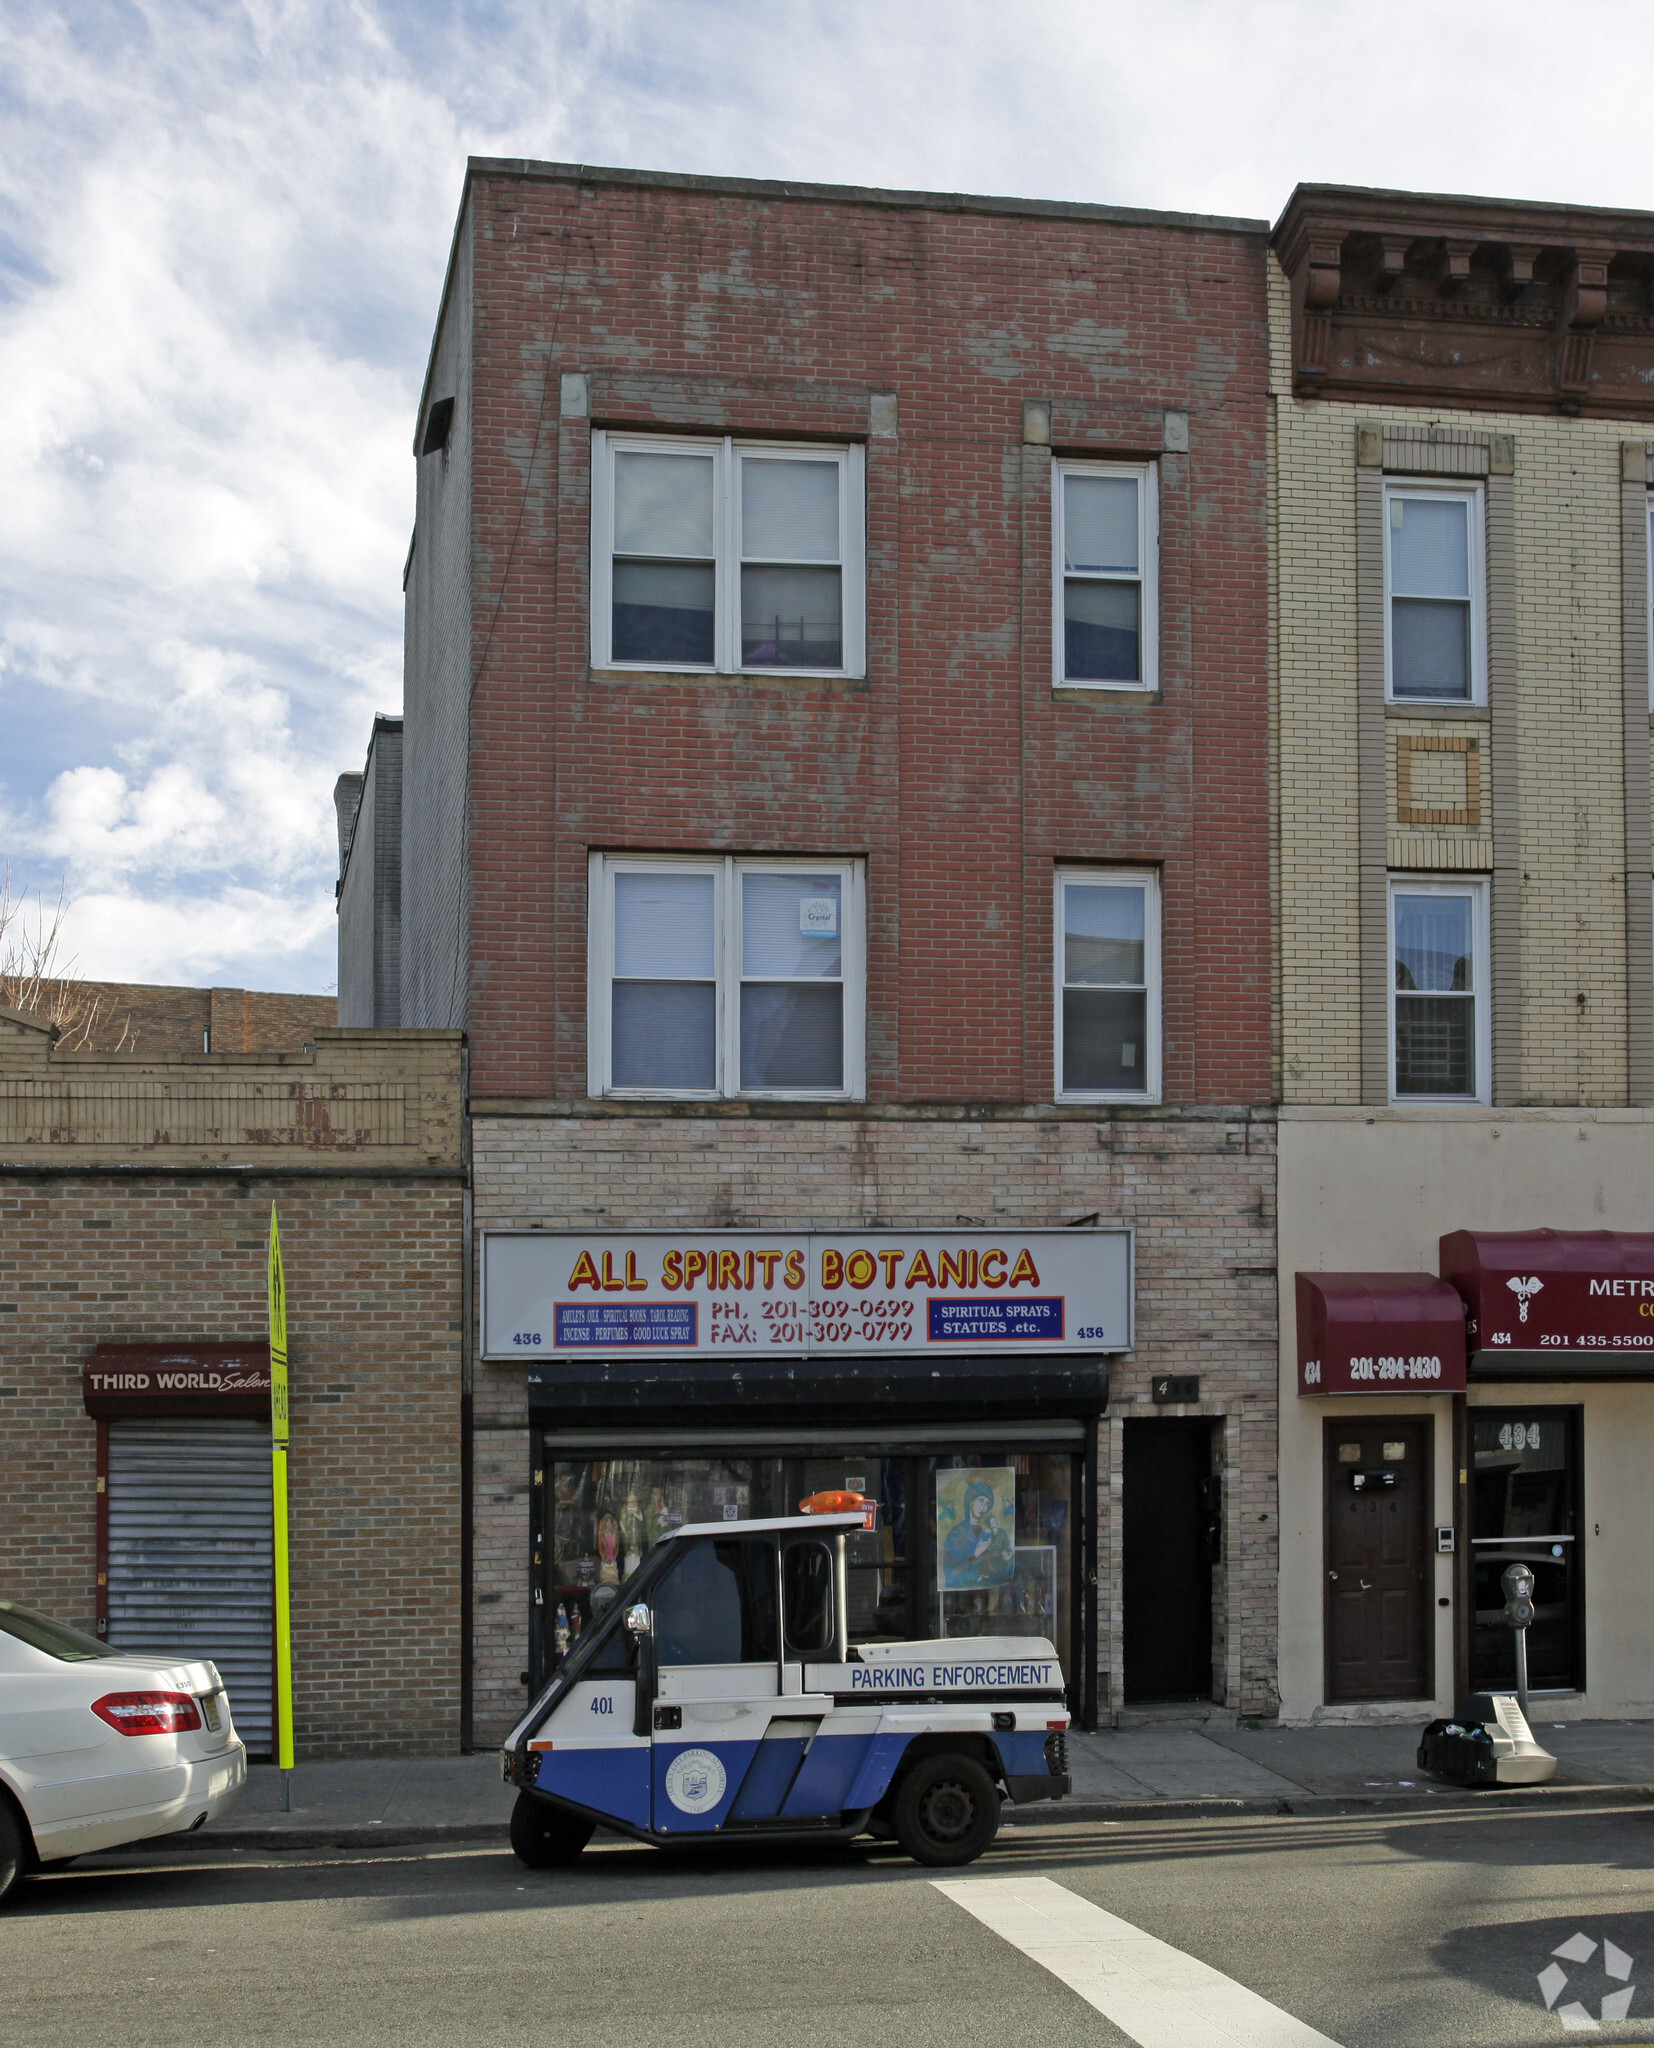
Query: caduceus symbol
{"points": [[1524, 1290]]}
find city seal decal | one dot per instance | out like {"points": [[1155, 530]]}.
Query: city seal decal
{"points": [[695, 1780]]}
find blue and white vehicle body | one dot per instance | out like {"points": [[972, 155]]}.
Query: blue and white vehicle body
{"points": [[720, 1699]]}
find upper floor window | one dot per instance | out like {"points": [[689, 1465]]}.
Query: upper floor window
{"points": [[1106, 531], [1108, 984], [1440, 1040], [734, 556], [715, 976], [1434, 625]]}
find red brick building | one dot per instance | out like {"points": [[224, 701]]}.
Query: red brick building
{"points": [[833, 802]]}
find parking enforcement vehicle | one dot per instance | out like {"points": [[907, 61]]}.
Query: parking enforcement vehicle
{"points": [[719, 1699]]}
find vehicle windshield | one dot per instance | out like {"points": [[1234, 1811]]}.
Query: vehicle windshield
{"points": [[67, 1644]]}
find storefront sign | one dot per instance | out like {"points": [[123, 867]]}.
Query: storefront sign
{"points": [[721, 1294], [177, 1379], [1379, 1333], [1565, 1300]]}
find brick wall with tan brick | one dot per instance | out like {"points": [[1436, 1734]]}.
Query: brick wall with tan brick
{"points": [[1570, 820], [101, 1243], [1198, 1186]]}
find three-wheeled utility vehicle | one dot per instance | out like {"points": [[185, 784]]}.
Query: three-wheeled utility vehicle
{"points": [[719, 1700]]}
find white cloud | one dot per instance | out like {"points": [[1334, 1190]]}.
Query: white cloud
{"points": [[222, 234]]}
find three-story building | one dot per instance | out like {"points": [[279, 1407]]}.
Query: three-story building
{"points": [[1462, 404], [833, 802]]}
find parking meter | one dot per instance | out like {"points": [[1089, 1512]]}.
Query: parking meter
{"points": [[1517, 1580]]}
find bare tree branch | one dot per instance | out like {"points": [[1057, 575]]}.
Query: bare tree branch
{"points": [[33, 978]]}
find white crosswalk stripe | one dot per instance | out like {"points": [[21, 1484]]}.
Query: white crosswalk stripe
{"points": [[1155, 1993]]}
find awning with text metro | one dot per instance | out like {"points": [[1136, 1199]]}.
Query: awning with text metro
{"points": [[1555, 1304]]}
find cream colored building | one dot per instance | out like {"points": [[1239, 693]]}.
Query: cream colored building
{"points": [[1462, 412]]}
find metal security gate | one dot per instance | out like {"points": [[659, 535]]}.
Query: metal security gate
{"points": [[190, 1566]]}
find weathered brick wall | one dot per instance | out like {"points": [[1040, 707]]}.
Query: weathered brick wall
{"points": [[161, 1022], [135, 1205], [955, 767], [436, 684], [1199, 1189], [374, 1331], [1568, 738]]}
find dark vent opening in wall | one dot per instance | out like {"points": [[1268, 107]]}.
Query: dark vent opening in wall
{"points": [[438, 423]]}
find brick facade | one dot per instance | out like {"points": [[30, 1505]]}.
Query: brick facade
{"points": [[1462, 360], [962, 346], [104, 1238]]}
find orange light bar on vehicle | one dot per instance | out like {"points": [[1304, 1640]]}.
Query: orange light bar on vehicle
{"points": [[841, 1503]]}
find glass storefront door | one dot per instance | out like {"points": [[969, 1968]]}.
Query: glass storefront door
{"points": [[970, 1542], [1525, 1509]]}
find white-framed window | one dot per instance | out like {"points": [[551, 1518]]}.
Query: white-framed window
{"points": [[717, 976], [1108, 984], [739, 557], [1441, 1040], [1105, 619], [1435, 608]]}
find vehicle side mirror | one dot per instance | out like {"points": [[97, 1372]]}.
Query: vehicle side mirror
{"points": [[639, 1620]]}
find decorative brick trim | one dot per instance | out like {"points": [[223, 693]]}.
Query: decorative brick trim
{"points": [[1409, 813], [1639, 854], [1506, 918], [1372, 801]]}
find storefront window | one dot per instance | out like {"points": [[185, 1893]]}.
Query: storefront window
{"points": [[1525, 1510], [1002, 1554], [967, 1544]]}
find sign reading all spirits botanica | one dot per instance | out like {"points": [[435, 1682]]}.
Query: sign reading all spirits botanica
{"points": [[714, 1293]]}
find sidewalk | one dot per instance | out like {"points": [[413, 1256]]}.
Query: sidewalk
{"points": [[1133, 1774]]}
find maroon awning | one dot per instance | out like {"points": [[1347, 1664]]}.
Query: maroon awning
{"points": [[1379, 1333], [122, 1380], [1555, 1304]]}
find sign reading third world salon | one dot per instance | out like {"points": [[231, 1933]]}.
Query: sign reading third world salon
{"points": [[713, 1293]]}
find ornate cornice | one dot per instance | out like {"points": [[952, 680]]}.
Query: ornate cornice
{"points": [[1423, 299]]}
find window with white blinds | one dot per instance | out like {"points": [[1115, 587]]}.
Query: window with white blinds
{"points": [[719, 976]]}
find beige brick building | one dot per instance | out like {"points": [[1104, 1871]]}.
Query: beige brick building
{"points": [[1459, 471], [135, 1199]]}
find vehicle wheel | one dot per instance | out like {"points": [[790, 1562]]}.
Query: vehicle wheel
{"points": [[545, 1837], [13, 1854], [947, 1810]]}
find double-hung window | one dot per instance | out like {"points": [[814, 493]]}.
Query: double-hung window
{"points": [[1435, 629], [1106, 530], [716, 976], [1108, 984], [732, 556], [1440, 1037]]}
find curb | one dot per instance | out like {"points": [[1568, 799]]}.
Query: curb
{"points": [[341, 1835], [1041, 1814], [1447, 1798]]}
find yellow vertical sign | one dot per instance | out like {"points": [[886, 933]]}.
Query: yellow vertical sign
{"points": [[278, 1497]]}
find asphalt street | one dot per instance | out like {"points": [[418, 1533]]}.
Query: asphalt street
{"points": [[1364, 1930]]}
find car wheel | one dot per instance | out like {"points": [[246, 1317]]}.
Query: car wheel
{"points": [[13, 1853], [947, 1810], [545, 1837]]}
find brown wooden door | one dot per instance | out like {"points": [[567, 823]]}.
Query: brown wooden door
{"points": [[1377, 1559]]}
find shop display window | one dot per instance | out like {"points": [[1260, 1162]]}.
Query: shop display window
{"points": [[966, 1544], [1002, 1558], [1525, 1509]]}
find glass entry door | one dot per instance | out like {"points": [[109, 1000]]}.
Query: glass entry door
{"points": [[1525, 1509]]}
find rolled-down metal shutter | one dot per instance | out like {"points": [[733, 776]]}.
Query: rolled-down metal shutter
{"points": [[190, 1554]]}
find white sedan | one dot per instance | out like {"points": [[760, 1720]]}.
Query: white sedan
{"points": [[98, 1748]]}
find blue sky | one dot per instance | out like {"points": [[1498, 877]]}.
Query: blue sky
{"points": [[222, 232]]}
